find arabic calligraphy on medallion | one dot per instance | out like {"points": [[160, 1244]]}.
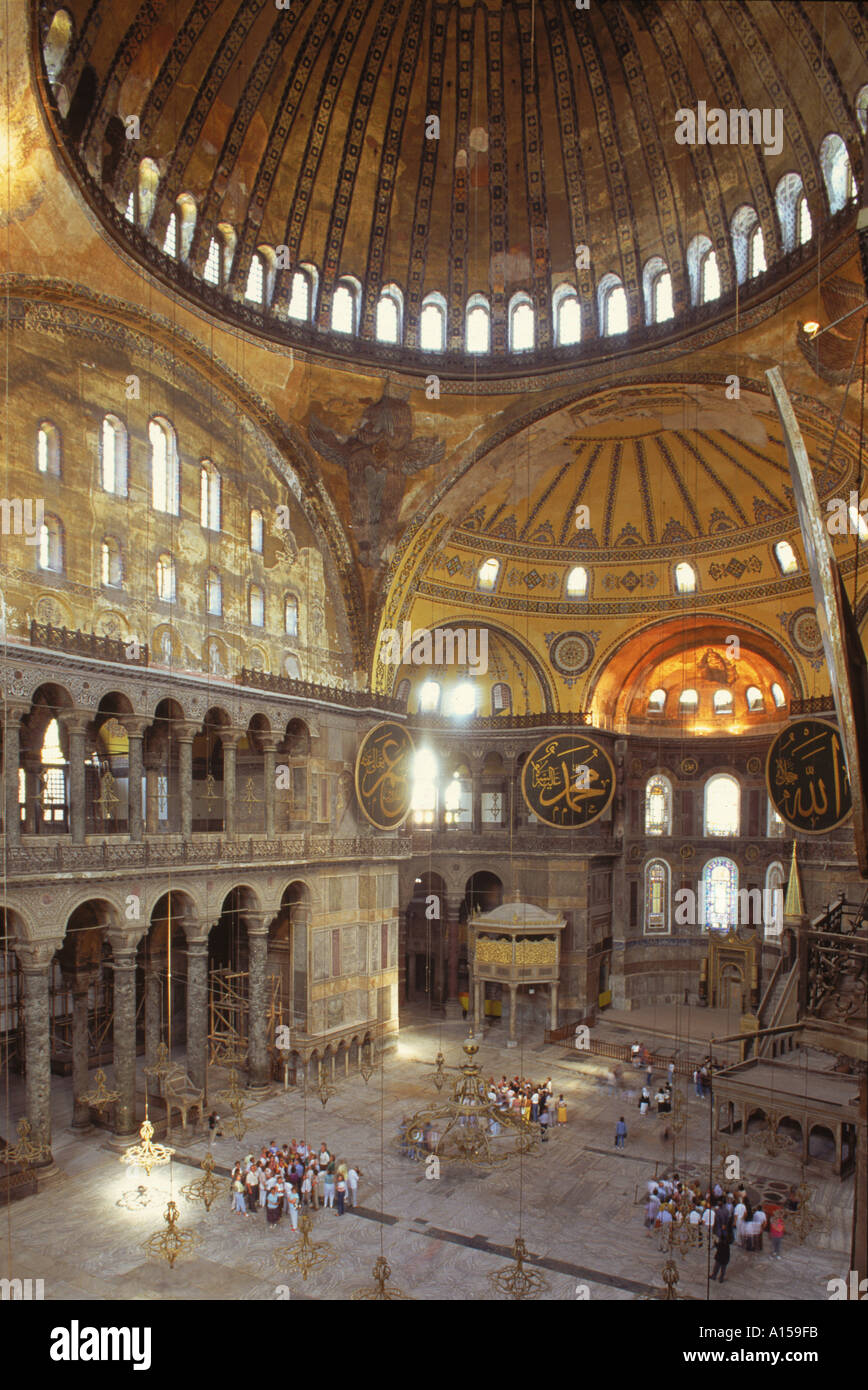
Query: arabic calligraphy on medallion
{"points": [[806, 777], [384, 775], [568, 781]]}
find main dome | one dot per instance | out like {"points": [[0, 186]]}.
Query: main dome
{"points": [[451, 155]]}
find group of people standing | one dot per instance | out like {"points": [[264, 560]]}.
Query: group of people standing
{"points": [[725, 1218], [297, 1175], [535, 1102]]}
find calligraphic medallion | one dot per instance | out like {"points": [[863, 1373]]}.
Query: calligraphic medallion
{"points": [[384, 775], [568, 781], [806, 777]]}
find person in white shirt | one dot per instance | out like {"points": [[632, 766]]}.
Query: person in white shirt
{"points": [[353, 1176], [740, 1213]]}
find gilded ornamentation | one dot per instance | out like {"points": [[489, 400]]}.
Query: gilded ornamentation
{"points": [[383, 775], [567, 781], [169, 1244]]}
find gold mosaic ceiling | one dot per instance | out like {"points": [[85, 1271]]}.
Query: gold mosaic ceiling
{"points": [[307, 127]]}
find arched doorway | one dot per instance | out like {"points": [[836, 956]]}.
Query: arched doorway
{"points": [[731, 987], [423, 950]]}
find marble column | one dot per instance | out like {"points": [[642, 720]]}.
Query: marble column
{"points": [[124, 966], [476, 802], [11, 763], [257, 940], [135, 732], [184, 739], [269, 745], [152, 796], [453, 928], [80, 985], [153, 1007], [76, 726], [230, 748], [512, 1040], [35, 959], [553, 1022], [478, 995], [197, 1009]]}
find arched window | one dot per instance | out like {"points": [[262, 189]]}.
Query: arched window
{"points": [[424, 796], [775, 827], [786, 558], [185, 215], [256, 280], [522, 324], [656, 701], [685, 578], [858, 522], [290, 615], [56, 45], [722, 813], [429, 697], [111, 564], [256, 605], [695, 252], [345, 305], [170, 240], [773, 898], [754, 697], [747, 243], [861, 105], [113, 456], [209, 496], [458, 798], [166, 578], [577, 582], [477, 324], [487, 575], [709, 278], [165, 472], [390, 309], [53, 760], [719, 891], [612, 302], [658, 805], [50, 551], [402, 694], [432, 323], [688, 699], [657, 290], [48, 448], [214, 594], [462, 699], [722, 701], [501, 698], [656, 897], [211, 270], [303, 296], [256, 531], [793, 213], [130, 209], [778, 696], [567, 313], [837, 173], [149, 182]]}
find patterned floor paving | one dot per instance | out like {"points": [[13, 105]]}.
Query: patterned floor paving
{"points": [[576, 1201]]}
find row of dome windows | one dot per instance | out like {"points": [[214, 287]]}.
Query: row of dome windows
{"points": [[721, 904], [612, 308], [721, 813], [723, 701], [684, 576]]}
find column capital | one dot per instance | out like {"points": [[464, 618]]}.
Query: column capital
{"points": [[197, 946], [185, 730], [135, 724], [14, 709], [35, 956], [230, 737], [268, 742], [124, 943], [76, 721]]}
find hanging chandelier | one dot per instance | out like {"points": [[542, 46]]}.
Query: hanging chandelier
{"points": [[379, 1293], [518, 1282], [438, 1076], [169, 1244], [234, 1098], [325, 1090], [146, 1154], [367, 1066], [26, 1152], [100, 1097], [206, 1188], [304, 1257], [466, 1127]]}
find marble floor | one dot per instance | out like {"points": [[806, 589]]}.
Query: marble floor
{"points": [[577, 1202]]}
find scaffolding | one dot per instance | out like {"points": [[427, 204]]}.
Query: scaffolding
{"points": [[228, 1012]]}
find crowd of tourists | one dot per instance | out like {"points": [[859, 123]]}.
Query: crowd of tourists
{"points": [[534, 1102], [719, 1217], [282, 1180]]}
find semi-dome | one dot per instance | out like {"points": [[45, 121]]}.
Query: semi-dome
{"points": [[475, 180]]}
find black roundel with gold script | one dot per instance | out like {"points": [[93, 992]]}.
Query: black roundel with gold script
{"points": [[806, 777], [384, 774], [568, 781]]}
